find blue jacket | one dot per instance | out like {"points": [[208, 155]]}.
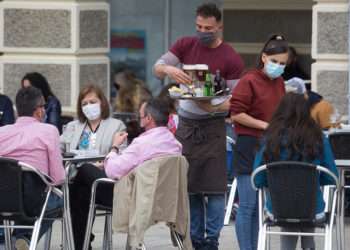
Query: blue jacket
{"points": [[326, 160], [6, 111], [53, 112]]}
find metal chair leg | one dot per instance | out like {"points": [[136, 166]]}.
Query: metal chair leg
{"points": [[7, 230], [177, 238], [109, 231], [105, 236], [89, 226], [47, 242], [230, 202]]}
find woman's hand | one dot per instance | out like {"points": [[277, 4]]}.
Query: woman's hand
{"points": [[119, 138], [249, 121]]}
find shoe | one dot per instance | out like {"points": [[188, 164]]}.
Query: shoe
{"points": [[22, 244]]}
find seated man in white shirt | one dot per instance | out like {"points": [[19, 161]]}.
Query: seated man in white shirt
{"points": [[156, 141]]}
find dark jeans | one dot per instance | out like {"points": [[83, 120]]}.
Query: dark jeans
{"points": [[53, 211], [80, 194], [207, 219], [34, 197]]}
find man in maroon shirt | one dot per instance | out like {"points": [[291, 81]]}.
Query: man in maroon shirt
{"points": [[201, 128]]}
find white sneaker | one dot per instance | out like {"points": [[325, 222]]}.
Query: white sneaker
{"points": [[22, 244]]}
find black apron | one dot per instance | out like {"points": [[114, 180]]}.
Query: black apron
{"points": [[204, 146]]}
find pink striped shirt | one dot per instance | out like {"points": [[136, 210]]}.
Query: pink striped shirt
{"points": [[155, 142], [34, 143]]}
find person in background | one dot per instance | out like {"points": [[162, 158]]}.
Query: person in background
{"points": [[94, 127], [201, 128], [35, 143], [293, 67], [172, 104], [292, 135], [93, 131], [321, 110], [132, 92], [254, 99], [7, 115], [156, 141], [52, 104]]}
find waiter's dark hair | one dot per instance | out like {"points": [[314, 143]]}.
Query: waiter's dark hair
{"points": [[209, 10], [28, 100], [158, 110], [275, 44]]}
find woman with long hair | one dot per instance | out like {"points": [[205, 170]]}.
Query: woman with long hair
{"points": [[293, 135], [254, 99], [52, 104]]}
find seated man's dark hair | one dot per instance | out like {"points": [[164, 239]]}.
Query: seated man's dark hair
{"points": [[159, 111], [27, 101], [209, 10]]}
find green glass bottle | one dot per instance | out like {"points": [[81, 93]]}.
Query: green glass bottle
{"points": [[208, 86]]}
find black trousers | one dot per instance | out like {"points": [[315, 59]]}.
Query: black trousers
{"points": [[80, 194]]}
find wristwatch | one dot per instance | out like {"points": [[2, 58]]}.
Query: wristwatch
{"points": [[115, 149]]}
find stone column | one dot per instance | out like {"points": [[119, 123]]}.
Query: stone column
{"points": [[66, 41], [330, 50]]}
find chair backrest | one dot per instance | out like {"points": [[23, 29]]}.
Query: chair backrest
{"points": [[12, 189], [339, 142], [293, 188], [11, 192]]}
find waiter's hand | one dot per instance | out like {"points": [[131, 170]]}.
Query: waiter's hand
{"points": [[119, 138], [177, 74]]}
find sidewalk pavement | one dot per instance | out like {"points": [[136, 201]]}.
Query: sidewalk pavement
{"points": [[158, 238]]}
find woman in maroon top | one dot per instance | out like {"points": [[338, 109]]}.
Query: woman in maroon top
{"points": [[253, 102]]}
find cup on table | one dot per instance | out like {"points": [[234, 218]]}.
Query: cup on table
{"points": [[67, 132], [335, 118]]}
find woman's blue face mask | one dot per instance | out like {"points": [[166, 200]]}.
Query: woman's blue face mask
{"points": [[274, 70]]}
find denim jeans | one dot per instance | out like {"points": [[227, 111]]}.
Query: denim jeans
{"points": [[207, 219], [53, 204], [247, 216]]}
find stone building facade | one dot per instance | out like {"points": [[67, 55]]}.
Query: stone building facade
{"points": [[66, 41]]}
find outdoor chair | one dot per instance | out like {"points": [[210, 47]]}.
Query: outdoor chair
{"points": [[339, 141], [155, 191], [99, 210], [292, 187], [12, 195], [233, 191]]}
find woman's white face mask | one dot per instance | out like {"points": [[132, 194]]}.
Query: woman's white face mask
{"points": [[92, 111]]}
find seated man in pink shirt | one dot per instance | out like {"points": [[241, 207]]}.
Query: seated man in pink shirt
{"points": [[35, 143], [156, 141]]}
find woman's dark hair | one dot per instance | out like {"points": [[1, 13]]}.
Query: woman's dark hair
{"points": [[105, 112], [276, 44], [38, 81], [292, 128], [209, 10]]}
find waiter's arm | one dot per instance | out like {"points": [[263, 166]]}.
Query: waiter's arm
{"points": [[166, 66]]}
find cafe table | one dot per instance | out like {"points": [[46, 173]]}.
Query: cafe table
{"points": [[71, 166], [343, 166]]}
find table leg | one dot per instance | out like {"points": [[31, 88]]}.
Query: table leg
{"points": [[67, 215], [340, 212]]}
